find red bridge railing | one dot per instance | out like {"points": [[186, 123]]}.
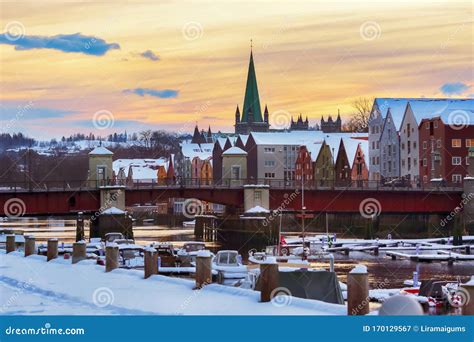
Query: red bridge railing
{"points": [[193, 183]]}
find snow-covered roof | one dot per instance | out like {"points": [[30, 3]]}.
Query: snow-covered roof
{"points": [[234, 151], [101, 150], [257, 209], [113, 211], [425, 108], [244, 138], [141, 168], [203, 151], [299, 138]]}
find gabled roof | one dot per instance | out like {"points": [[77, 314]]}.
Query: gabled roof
{"points": [[425, 108], [351, 145], [101, 150], [234, 151]]}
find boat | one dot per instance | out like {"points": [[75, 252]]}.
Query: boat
{"points": [[186, 256], [148, 222], [228, 264], [166, 254], [189, 224]]}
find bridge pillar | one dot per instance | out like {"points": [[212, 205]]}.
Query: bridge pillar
{"points": [[256, 195], [112, 196]]}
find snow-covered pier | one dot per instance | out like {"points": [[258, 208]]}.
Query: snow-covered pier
{"points": [[33, 286]]}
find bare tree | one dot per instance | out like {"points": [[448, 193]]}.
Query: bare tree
{"points": [[145, 136], [359, 121]]}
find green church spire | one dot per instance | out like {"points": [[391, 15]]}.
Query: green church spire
{"points": [[252, 100]]}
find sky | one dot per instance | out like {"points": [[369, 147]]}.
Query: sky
{"points": [[112, 66]]}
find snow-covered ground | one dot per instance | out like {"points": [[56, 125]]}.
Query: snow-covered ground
{"points": [[32, 286]]}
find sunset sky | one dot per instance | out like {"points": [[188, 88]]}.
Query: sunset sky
{"points": [[170, 64]]}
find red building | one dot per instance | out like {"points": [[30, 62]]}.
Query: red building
{"points": [[444, 150], [304, 165]]}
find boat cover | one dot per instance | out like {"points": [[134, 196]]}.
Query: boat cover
{"points": [[320, 285]]}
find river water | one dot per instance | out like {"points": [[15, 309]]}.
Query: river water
{"points": [[383, 272]]}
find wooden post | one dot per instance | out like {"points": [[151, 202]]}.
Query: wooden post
{"points": [[52, 252], [468, 296], [11, 247], [203, 269], [29, 245], [80, 228], [358, 291], [78, 251], [376, 251], [151, 262], [269, 280], [111, 257], [468, 249]]}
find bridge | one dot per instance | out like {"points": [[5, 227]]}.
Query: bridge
{"points": [[62, 198]]}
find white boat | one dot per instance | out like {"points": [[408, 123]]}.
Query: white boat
{"points": [[189, 224], [228, 264]]}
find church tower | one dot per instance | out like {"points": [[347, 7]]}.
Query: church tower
{"points": [[251, 120]]}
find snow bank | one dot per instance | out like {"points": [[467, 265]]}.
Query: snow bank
{"points": [[58, 287]]}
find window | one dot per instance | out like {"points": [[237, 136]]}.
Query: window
{"points": [[427, 125], [403, 162], [415, 162], [456, 160], [408, 146], [269, 149], [425, 162], [469, 142], [409, 164], [378, 160], [257, 195], [467, 160], [269, 175], [270, 163], [408, 130], [425, 145], [457, 178], [235, 172], [438, 143], [403, 146], [436, 124], [455, 142], [373, 145]]}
